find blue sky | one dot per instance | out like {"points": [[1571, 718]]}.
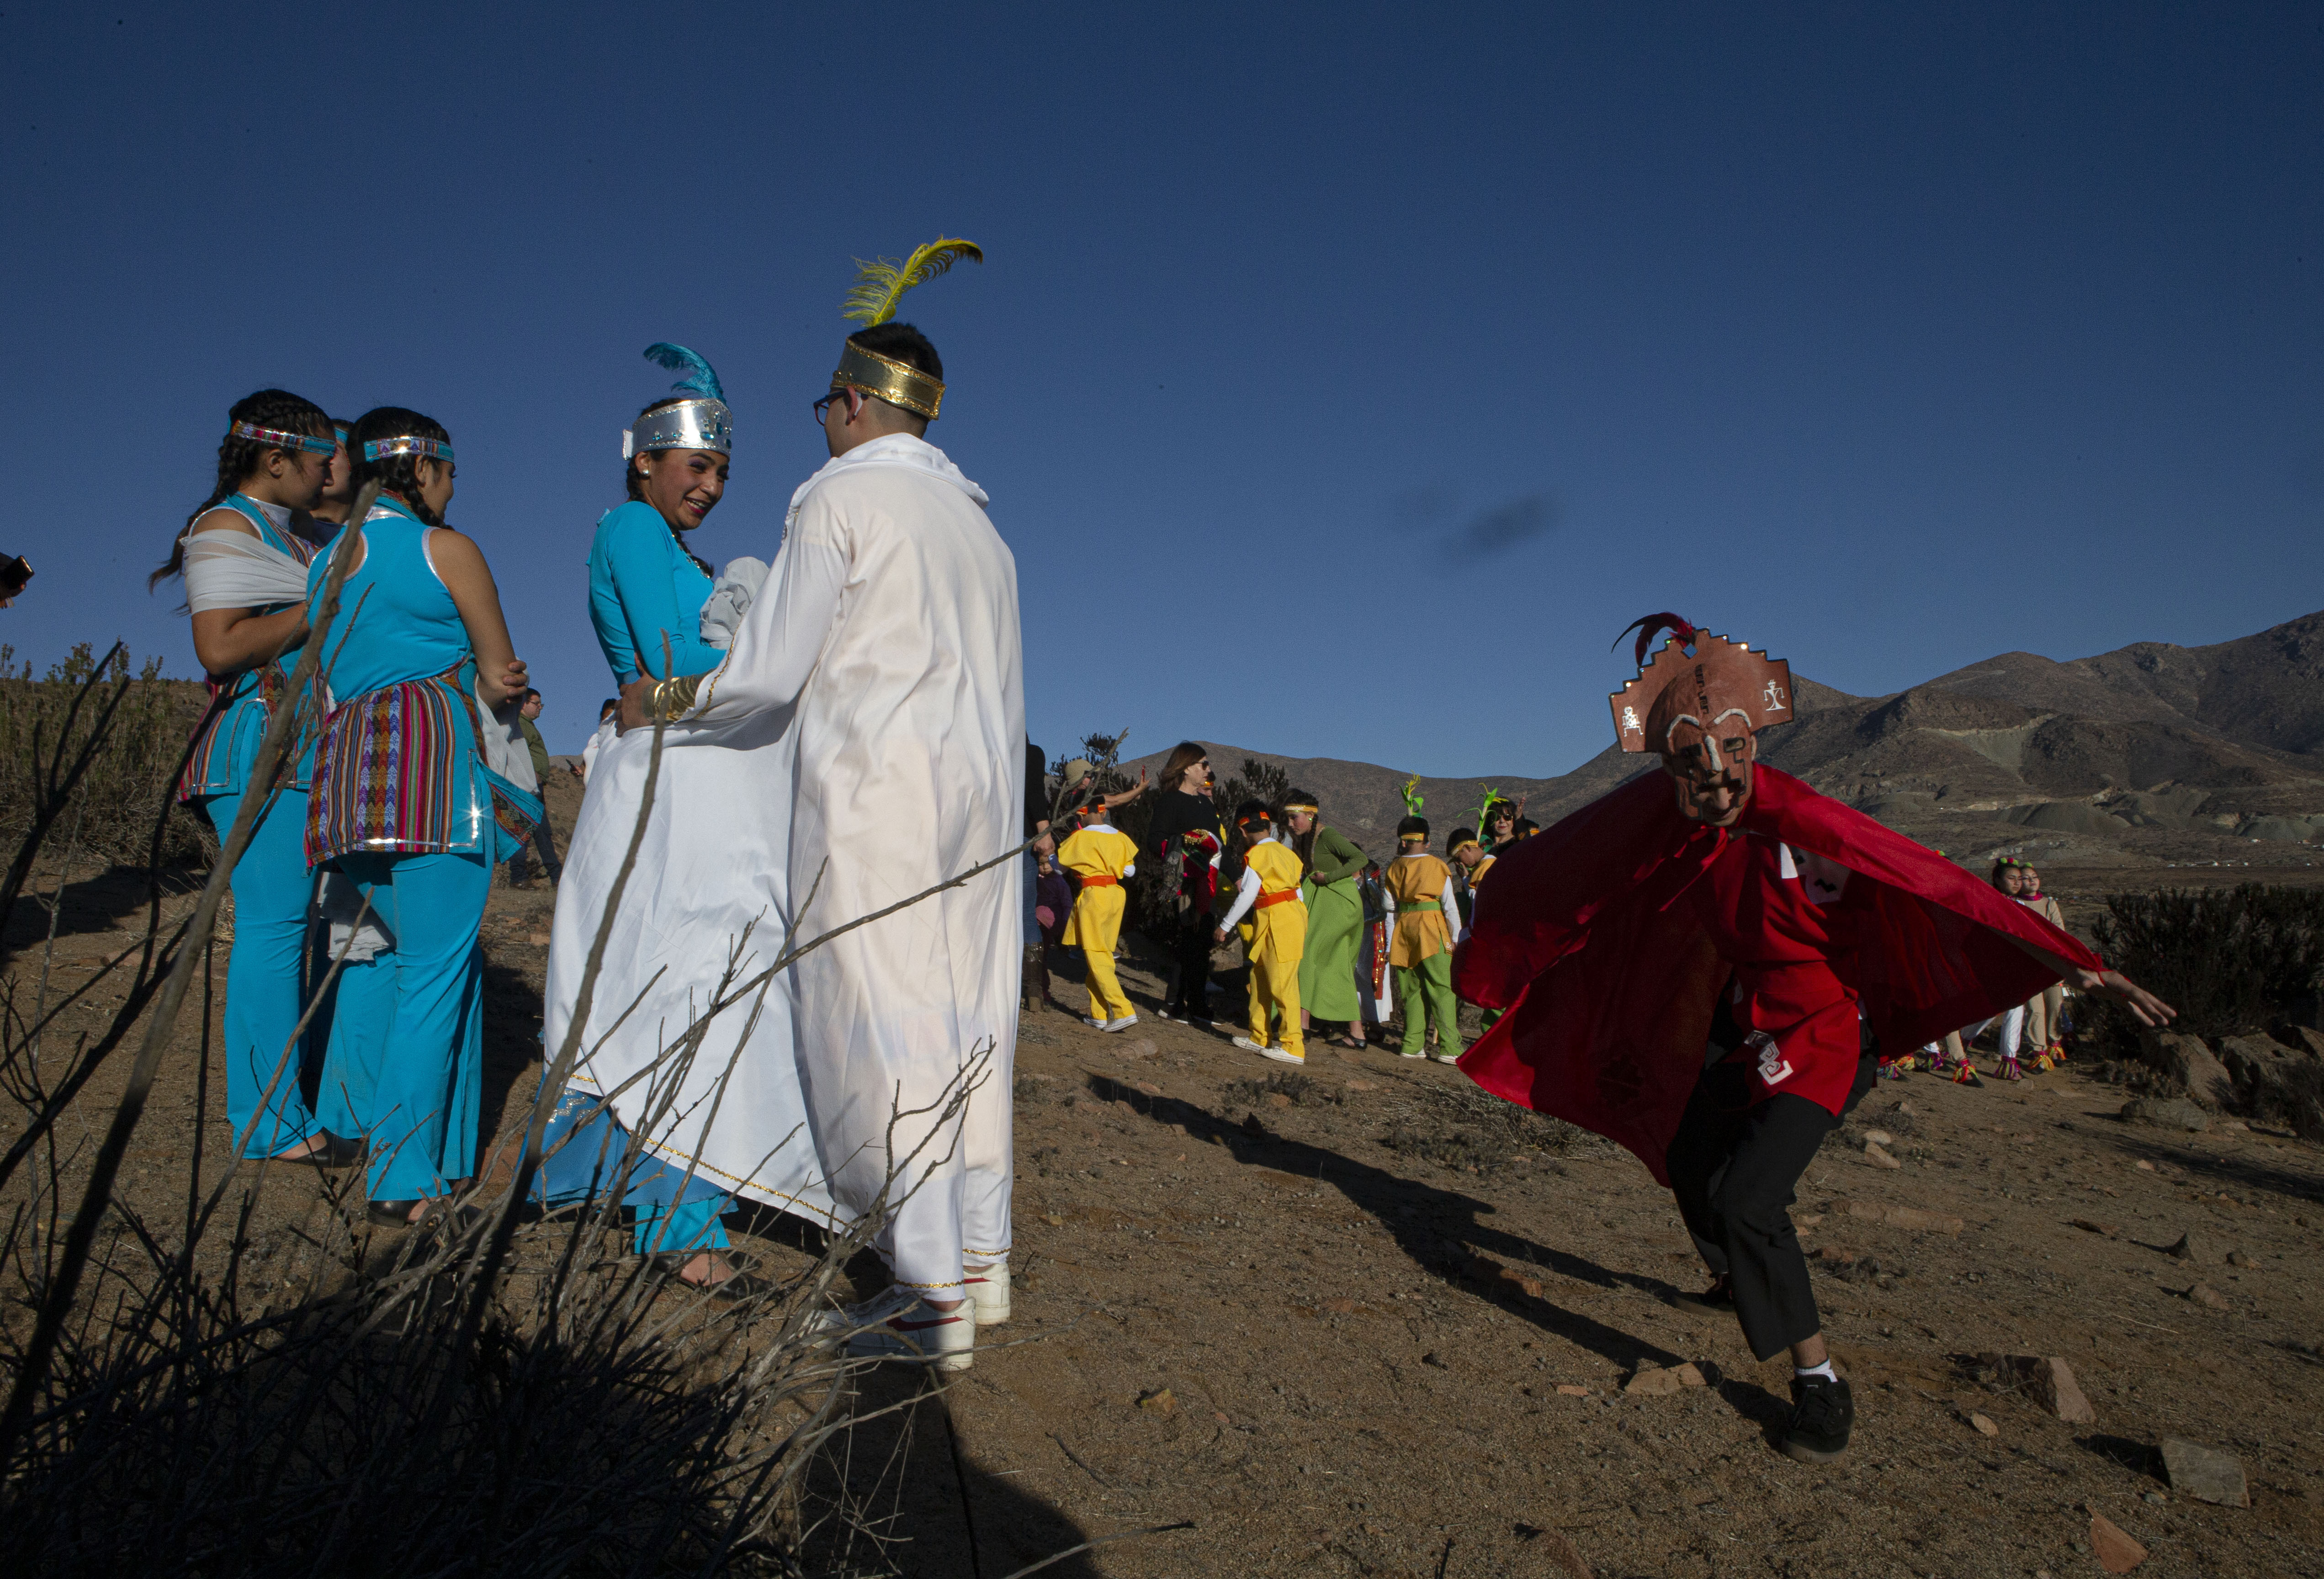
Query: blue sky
{"points": [[1344, 377]]}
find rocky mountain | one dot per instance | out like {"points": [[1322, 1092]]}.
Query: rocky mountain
{"points": [[2150, 753]]}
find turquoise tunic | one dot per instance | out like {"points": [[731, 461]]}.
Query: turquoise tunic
{"points": [[272, 886], [643, 585], [397, 622], [228, 749], [427, 874]]}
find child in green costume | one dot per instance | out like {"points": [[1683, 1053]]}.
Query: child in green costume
{"points": [[1423, 911]]}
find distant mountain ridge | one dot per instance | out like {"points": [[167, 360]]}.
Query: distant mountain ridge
{"points": [[2135, 750]]}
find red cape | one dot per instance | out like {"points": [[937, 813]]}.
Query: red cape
{"points": [[1609, 985]]}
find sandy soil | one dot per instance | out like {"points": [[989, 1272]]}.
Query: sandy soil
{"points": [[1393, 1319]]}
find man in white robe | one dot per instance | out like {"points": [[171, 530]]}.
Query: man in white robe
{"points": [[885, 646]]}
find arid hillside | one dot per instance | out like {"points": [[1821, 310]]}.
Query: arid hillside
{"points": [[2153, 754]]}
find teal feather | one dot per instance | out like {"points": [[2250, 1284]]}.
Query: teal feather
{"points": [[700, 378]]}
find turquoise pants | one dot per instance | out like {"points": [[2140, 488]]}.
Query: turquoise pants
{"points": [[271, 884], [431, 1071], [585, 1149], [362, 1008]]}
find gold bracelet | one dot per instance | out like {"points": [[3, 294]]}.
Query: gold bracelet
{"points": [[674, 697]]}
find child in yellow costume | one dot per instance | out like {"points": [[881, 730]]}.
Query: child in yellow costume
{"points": [[1269, 894], [1100, 857], [1423, 911]]}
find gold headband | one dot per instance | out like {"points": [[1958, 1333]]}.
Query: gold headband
{"points": [[1466, 844], [897, 383], [1302, 806]]}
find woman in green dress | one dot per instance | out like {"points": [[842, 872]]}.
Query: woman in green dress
{"points": [[1335, 917]]}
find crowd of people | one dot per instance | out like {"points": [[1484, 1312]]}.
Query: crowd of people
{"points": [[1329, 938], [867, 679], [757, 989]]}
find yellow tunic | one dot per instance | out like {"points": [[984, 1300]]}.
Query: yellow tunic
{"points": [[1096, 921], [1413, 880], [1280, 930], [1477, 873]]}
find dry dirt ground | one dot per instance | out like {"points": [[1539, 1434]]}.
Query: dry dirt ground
{"points": [[1381, 1324]]}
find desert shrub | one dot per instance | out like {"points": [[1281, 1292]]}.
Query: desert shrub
{"points": [[1460, 1127], [126, 787], [1301, 1090], [2231, 961]]}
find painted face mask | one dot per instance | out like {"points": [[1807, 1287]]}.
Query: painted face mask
{"points": [[1699, 704]]}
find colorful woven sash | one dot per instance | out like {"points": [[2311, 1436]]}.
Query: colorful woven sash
{"points": [[389, 771]]}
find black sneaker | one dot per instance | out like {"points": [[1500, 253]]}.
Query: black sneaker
{"points": [[1822, 1414], [1719, 1299]]}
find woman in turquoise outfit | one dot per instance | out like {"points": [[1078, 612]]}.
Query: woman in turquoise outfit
{"points": [[245, 575], [645, 585], [417, 790], [646, 589]]}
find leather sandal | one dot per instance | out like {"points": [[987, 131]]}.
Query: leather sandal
{"points": [[398, 1214], [334, 1152]]}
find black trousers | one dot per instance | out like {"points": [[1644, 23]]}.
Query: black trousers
{"points": [[1733, 1167], [1192, 996]]}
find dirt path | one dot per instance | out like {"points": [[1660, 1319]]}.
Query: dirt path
{"points": [[1360, 1388], [1364, 1290]]}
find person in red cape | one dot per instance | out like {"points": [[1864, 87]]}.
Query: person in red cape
{"points": [[1700, 966]]}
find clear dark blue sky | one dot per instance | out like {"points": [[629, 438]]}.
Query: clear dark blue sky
{"points": [[1344, 377]]}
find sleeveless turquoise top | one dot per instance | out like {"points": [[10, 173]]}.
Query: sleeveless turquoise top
{"points": [[226, 748], [397, 624]]}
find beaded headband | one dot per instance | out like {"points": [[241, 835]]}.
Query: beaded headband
{"points": [[275, 438], [1309, 807], [408, 443]]}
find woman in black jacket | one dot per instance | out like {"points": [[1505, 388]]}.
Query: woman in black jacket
{"points": [[1184, 840]]}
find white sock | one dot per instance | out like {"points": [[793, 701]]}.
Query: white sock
{"points": [[1824, 1370]]}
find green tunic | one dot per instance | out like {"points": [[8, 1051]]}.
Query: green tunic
{"points": [[1335, 920]]}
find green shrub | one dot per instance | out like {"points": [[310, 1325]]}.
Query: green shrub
{"points": [[2230, 961], [126, 787]]}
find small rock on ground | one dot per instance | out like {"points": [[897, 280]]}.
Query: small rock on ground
{"points": [[2169, 1113], [2204, 1474], [1651, 1382], [2116, 1553]]}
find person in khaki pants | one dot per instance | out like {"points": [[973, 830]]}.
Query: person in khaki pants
{"points": [[2044, 1014]]}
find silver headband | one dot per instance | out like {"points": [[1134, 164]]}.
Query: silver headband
{"points": [[409, 444], [696, 424]]}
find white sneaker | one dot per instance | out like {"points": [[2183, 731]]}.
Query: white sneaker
{"points": [[988, 1290], [1093, 1023], [897, 1326], [1249, 1046], [1410, 1052], [1281, 1056], [1446, 1057], [1124, 1023]]}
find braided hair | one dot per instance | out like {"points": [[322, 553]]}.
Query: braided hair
{"points": [[396, 473], [239, 457]]}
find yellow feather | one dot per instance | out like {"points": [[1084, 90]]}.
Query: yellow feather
{"points": [[880, 284]]}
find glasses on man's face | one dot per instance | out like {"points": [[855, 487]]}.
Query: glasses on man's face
{"points": [[824, 405]]}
